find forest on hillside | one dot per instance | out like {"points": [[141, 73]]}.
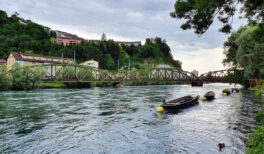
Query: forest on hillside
{"points": [[32, 38]]}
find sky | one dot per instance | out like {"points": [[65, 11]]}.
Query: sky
{"points": [[128, 20]]}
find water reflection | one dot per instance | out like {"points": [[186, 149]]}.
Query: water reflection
{"points": [[107, 120]]}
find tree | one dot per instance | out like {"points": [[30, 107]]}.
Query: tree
{"points": [[108, 62], [36, 74], [103, 37], [200, 14], [245, 50], [20, 77], [230, 50], [250, 52], [4, 82]]}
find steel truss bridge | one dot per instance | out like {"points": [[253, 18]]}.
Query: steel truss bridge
{"points": [[80, 73]]}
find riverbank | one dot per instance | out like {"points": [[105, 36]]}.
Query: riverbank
{"points": [[65, 85], [255, 143]]}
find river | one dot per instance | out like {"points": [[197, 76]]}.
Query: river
{"points": [[124, 120]]}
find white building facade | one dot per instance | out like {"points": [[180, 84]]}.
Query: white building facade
{"points": [[91, 63]]}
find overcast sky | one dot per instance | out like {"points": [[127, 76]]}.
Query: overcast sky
{"points": [[127, 20]]}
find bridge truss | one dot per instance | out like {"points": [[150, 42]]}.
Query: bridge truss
{"points": [[80, 73]]}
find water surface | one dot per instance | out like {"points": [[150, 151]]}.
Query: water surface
{"points": [[107, 120]]}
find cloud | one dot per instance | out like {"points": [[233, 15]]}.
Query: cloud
{"points": [[122, 20], [204, 60]]}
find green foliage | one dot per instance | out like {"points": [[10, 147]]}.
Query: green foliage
{"points": [[53, 39], [260, 116], [36, 73], [142, 73], [85, 74], [260, 89], [66, 73], [20, 77], [255, 143], [15, 36], [4, 82], [25, 77], [200, 14], [245, 50], [250, 52]]}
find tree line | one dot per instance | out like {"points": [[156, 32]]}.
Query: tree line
{"points": [[32, 38]]}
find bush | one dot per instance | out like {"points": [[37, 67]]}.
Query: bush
{"points": [[24, 78], [255, 144], [4, 82], [256, 141]]}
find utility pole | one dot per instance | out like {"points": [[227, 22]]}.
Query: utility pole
{"points": [[118, 65], [129, 65], [62, 58], [74, 57]]}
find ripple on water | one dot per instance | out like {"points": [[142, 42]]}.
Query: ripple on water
{"points": [[107, 120]]}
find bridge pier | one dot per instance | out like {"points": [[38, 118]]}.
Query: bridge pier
{"points": [[197, 83], [118, 84]]}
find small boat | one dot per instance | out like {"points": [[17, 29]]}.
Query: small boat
{"points": [[210, 95], [235, 90], [227, 91], [180, 103], [197, 84]]}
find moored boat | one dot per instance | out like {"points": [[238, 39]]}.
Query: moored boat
{"points": [[227, 91], [180, 103], [235, 90], [197, 84], [210, 95]]}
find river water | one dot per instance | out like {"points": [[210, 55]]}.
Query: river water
{"points": [[108, 120]]}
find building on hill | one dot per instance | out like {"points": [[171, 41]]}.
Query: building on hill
{"points": [[24, 22], [104, 38], [164, 66], [67, 38], [2, 62], [135, 43], [30, 59], [91, 63]]}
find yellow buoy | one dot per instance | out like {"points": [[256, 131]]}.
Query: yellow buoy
{"points": [[234, 91], [160, 109], [203, 98], [224, 94]]}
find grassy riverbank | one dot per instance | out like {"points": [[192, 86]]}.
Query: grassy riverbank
{"points": [[255, 144]]}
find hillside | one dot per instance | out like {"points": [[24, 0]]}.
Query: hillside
{"points": [[32, 37]]}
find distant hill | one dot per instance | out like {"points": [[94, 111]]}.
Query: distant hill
{"points": [[20, 35]]}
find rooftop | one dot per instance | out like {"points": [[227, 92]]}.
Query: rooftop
{"points": [[61, 34], [19, 56]]}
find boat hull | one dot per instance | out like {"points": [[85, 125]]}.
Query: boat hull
{"points": [[227, 91], [197, 84], [235, 89], [184, 104], [210, 95]]}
